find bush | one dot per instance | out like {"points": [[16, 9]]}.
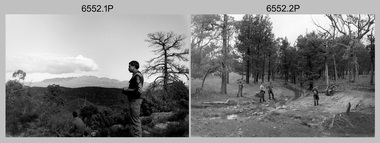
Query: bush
{"points": [[158, 100], [20, 110], [177, 130], [179, 115], [88, 111], [173, 129]]}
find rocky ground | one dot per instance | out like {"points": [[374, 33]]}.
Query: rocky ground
{"points": [[291, 115]]}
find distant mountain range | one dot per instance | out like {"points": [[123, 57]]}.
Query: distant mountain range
{"points": [[83, 81]]}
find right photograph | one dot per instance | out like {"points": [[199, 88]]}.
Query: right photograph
{"points": [[285, 75]]}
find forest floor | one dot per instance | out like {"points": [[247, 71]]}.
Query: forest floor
{"points": [[293, 114]]}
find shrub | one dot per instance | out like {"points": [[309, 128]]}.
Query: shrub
{"points": [[156, 99]]}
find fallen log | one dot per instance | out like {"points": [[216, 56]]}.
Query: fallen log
{"points": [[332, 123]]}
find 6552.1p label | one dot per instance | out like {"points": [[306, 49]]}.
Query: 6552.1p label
{"points": [[97, 8]]}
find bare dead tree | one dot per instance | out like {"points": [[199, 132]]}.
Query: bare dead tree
{"points": [[167, 45], [355, 27]]}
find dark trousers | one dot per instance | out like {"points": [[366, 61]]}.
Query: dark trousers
{"points": [[262, 92], [134, 113], [316, 98], [240, 91], [270, 92]]}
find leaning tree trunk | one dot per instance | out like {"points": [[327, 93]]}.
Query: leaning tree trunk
{"points": [[211, 70]]}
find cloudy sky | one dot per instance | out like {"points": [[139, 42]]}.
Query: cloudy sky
{"points": [[51, 46]]}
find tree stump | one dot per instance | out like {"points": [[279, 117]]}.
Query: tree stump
{"points": [[348, 108]]}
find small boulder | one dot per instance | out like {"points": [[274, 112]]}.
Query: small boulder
{"points": [[232, 102]]}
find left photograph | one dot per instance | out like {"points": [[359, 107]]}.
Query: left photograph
{"points": [[97, 75]]}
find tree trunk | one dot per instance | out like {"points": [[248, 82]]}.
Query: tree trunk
{"points": [[263, 70], [224, 50], [326, 64], [372, 73], [248, 61], [228, 77], [372, 52], [257, 76], [166, 74], [327, 72], [273, 73], [335, 71], [269, 67]]}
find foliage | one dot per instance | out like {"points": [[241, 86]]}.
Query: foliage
{"points": [[312, 59], [20, 108], [158, 100], [19, 74], [353, 29], [205, 48], [255, 41], [44, 112], [173, 129]]}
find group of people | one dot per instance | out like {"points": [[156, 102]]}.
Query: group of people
{"points": [[262, 90], [329, 91], [133, 93]]}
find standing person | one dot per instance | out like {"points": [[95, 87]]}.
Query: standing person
{"points": [[240, 88], [77, 126], [262, 91], [315, 95], [133, 93], [270, 91]]}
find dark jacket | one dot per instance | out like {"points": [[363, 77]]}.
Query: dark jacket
{"points": [[135, 94]]}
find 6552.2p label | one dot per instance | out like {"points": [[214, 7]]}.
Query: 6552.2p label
{"points": [[283, 8], [97, 8]]}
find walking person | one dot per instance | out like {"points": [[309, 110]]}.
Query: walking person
{"points": [[133, 93]]}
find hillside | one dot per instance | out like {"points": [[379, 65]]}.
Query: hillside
{"points": [[109, 97], [83, 81]]}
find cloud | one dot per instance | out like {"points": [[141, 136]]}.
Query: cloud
{"points": [[50, 64]]}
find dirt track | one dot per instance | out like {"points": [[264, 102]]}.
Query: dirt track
{"points": [[286, 117]]}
